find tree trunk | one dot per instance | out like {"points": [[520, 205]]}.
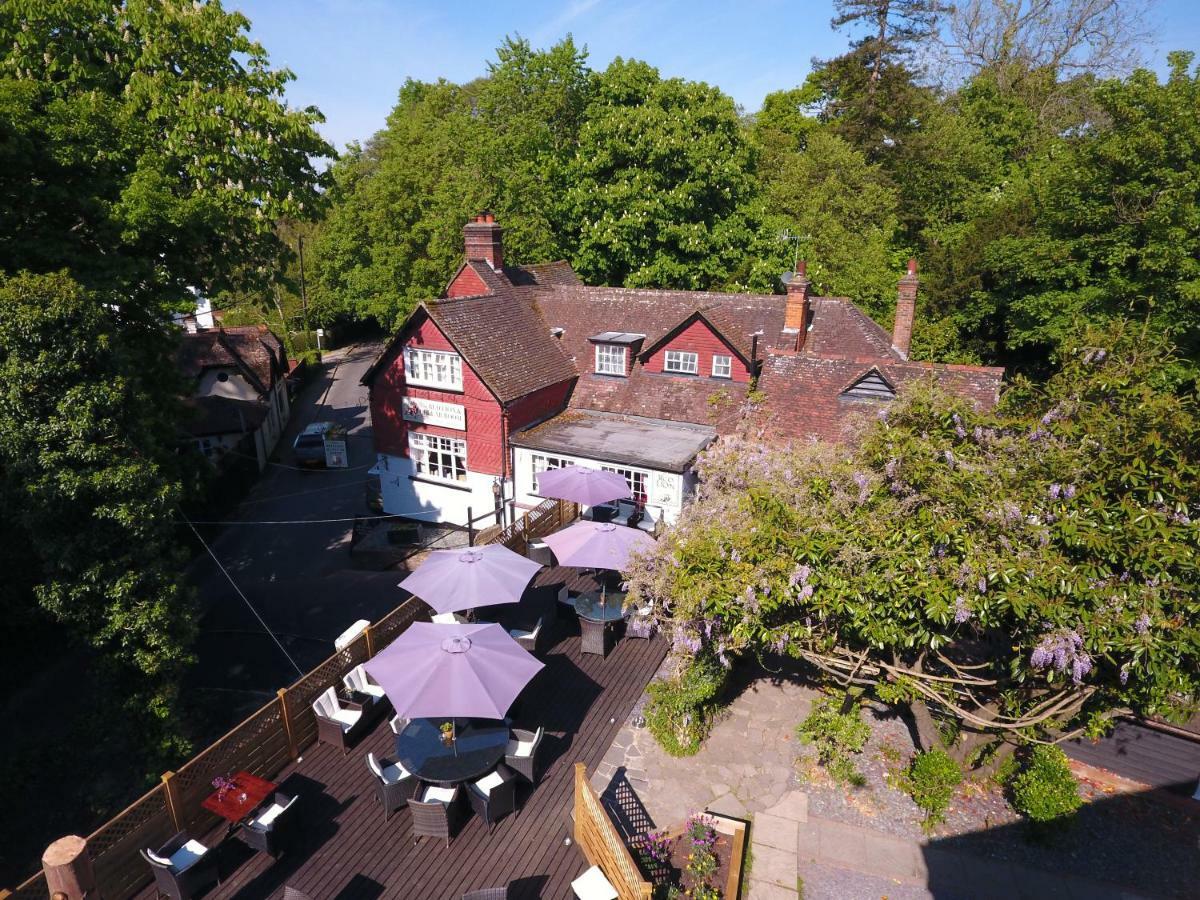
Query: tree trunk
{"points": [[927, 734]]}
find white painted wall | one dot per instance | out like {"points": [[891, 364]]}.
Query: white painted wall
{"points": [[430, 501], [235, 385]]}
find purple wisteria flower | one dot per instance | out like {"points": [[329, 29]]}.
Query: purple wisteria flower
{"points": [[1054, 491], [864, 487], [806, 591], [799, 575], [962, 612], [890, 469], [1038, 433], [1142, 624], [1062, 650], [1123, 676], [949, 457], [981, 585], [1069, 491], [958, 426]]}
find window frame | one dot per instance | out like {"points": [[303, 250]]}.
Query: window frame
{"points": [[637, 479], [422, 369], [727, 361], [609, 350], [543, 462], [680, 355], [451, 454]]}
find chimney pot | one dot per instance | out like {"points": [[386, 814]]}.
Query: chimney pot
{"points": [[906, 310], [912, 267]]}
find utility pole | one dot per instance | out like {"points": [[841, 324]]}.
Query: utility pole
{"points": [[303, 290]]}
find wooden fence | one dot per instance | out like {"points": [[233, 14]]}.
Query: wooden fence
{"points": [[603, 845], [548, 516], [264, 744]]}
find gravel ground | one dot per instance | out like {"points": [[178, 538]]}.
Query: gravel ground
{"points": [[831, 883], [1134, 840]]}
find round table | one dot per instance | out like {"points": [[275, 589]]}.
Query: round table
{"points": [[478, 745], [596, 617]]}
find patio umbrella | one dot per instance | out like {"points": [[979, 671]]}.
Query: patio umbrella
{"points": [[591, 487], [597, 545], [450, 580], [453, 671]]}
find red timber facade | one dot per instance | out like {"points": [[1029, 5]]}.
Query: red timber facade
{"points": [[521, 368]]}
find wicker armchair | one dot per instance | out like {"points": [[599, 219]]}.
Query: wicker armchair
{"points": [[182, 867], [338, 723], [494, 795], [272, 825], [641, 623], [358, 680], [522, 752], [394, 784], [593, 636], [500, 893], [527, 639], [436, 811]]}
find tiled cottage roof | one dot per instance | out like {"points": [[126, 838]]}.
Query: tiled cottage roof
{"points": [[253, 350], [806, 399], [212, 415]]}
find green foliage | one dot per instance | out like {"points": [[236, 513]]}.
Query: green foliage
{"points": [[1050, 546], [931, 779], [836, 735], [660, 182], [1045, 790], [681, 708]]}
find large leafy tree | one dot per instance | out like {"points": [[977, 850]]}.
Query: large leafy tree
{"points": [[662, 182], [1020, 575]]}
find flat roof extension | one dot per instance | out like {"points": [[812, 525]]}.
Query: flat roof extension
{"points": [[607, 437]]}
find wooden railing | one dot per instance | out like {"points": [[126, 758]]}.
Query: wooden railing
{"points": [[603, 845], [264, 744], [545, 518]]}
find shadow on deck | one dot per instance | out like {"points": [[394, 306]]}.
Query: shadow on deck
{"points": [[346, 851]]}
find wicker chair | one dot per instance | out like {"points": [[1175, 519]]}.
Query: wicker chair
{"points": [[500, 893], [593, 636], [394, 784], [358, 680], [436, 811], [182, 867], [527, 638], [641, 623], [337, 723], [397, 723], [494, 795], [521, 754], [272, 825]]}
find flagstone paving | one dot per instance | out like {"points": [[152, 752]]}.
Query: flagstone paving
{"points": [[746, 769]]}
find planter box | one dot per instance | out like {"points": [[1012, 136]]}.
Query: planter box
{"points": [[737, 831]]}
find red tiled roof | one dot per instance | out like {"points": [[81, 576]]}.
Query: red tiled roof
{"points": [[223, 415], [840, 328], [804, 391], [253, 350]]}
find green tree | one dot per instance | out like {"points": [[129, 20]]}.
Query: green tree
{"points": [[1025, 574], [82, 437], [662, 182]]}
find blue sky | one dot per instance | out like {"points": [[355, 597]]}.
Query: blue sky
{"points": [[351, 56]]}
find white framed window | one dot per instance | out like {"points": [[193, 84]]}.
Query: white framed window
{"points": [[635, 478], [433, 368], [682, 361], [610, 359], [540, 462], [438, 457], [722, 366]]}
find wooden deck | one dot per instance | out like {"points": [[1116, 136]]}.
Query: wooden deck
{"points": [[348, 853]]}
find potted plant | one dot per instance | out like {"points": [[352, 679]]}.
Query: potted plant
{"points": [[447, 729]]}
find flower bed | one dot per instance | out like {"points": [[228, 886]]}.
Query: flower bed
{"points": [[701, 861]]}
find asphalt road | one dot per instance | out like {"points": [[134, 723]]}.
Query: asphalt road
{"points": [[297, 576]]}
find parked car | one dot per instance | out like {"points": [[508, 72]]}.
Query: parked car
{"points": [[309, 445]]}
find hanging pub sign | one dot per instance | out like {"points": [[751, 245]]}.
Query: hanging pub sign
{"points": [[434, 412]]}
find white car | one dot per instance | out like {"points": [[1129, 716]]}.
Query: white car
{"points": [[310, 443]]}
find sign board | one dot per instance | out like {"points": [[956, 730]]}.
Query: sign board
{"points": [[336, 455], [434, 412]]}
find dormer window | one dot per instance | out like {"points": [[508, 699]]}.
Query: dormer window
{"points": [[433, 368], [611, 359], [612, 351], [682, 362]]}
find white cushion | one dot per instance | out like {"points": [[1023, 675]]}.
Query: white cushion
{"points": [[373, 765], [518, 633], [592, 885], [394, 773], [445, 619], [519, 748], [441, 794], [373, 689], [485, 784], [269, 815], [187, 854], [397, 724], [154, 857], [347, 717]]}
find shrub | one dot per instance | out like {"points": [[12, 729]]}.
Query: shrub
{"points": [[1045, 790], [836, 735], [680, 710], [931, 780]]}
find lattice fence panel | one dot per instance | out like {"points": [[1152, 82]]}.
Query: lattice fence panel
{"points": [[301, 695], [33, 889], [603, 845], [114, 847], [397, 621], [258, 745]]}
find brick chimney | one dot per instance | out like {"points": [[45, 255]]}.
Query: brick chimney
{"points": [[484, 239], [906, 310], [796, 313]]}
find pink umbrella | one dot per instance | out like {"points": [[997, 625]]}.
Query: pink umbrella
{"points": [[450, 580], [578, 484], [453, 671], [597, 545]]}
